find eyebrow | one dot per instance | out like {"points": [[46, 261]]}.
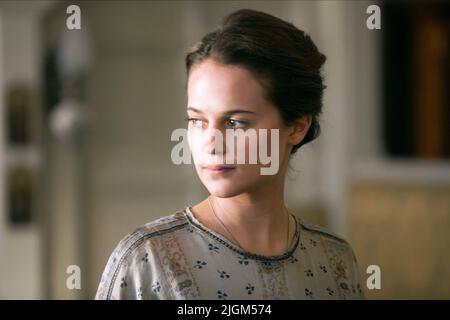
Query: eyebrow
{"points": [[227, 113]]}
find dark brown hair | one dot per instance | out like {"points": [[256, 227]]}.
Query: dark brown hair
{"points": [[283, 58]]}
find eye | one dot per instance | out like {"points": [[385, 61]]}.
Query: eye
{"points": [[195, 122], [237, 123]]}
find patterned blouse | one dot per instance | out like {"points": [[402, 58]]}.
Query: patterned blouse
{"points": [[177, 257]]}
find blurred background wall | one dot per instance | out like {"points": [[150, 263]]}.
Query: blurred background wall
{"points": [[86, 118]]}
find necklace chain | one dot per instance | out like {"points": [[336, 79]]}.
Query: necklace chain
{"points": [[231, 234]]}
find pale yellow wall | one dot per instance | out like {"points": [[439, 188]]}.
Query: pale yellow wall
{"points": [[403, 227]]}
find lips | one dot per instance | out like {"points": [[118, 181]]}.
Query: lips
{"points": [[218, 169]]}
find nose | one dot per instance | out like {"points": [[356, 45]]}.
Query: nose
{"points": [[214, 140]]}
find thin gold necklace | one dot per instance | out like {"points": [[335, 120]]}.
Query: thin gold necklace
{"points": [[234, 239]]}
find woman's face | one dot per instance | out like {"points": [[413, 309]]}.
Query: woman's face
{"points": [[224, 97]]}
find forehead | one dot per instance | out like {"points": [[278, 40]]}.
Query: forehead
{"points": [[214, 85]]}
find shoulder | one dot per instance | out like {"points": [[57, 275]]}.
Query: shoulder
{"points": [[340, 256], [154, 229], [331, 239], [313, 228], [122, 261]]}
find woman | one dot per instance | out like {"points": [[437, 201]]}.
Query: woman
{"points": [[254, 72]]}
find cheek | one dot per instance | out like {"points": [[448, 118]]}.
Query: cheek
{"points": [[252, 147], [195, 142], [268, 142], [283, 140]]}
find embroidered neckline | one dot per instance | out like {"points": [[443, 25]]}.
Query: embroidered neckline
{"points": [[197, 224]]}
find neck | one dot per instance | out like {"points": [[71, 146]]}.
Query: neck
{"points": [[258, 220]]}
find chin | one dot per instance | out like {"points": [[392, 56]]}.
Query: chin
{"points": [[222, 189], [227, 186], [225, 194]]}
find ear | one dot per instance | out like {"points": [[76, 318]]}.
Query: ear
{"points": [[299, 129]]}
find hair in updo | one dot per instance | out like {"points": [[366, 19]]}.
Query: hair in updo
{"points": [[283, 59]]}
